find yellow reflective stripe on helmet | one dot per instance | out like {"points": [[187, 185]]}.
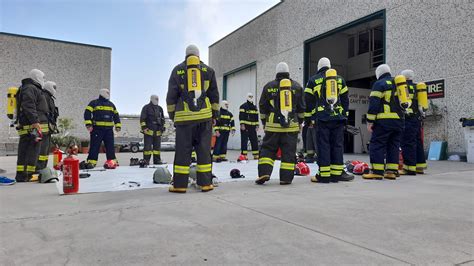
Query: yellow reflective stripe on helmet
{"points": [[203, 168], [266, 160], [344, 90], [118, 125], [103, 108], [171, 107], [89, 108], [377, 94], [20, 168], [378, 166], [43, 158], [88, 122], [179, 169], [215, 106], [392, 166], [325, 168], [287, 166], [103, 124], [30, 168], [309, 90], [147, 152]]}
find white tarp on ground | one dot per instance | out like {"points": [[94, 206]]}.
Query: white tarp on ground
{"points": [[128, 177]]}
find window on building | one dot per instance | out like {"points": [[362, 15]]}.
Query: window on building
{"points": [[351, 48], [378, 38], [364, 42]]}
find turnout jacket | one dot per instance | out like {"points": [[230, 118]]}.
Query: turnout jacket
{"points": [[177, 97], [248, 114], [413, 110], [225, 122], [53, 112], [384, 106], [317, 107], [270, 106], [101, 113], [32, 106], [152, 118]]}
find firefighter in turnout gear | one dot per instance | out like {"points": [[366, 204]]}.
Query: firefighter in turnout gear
{"points": [[100, 117], [224, 126], [49, 94], [152, 122], [193, 105], [385, 121], [248, 117], [327, 94], [32, 118], [411, 142], [282, 112]]}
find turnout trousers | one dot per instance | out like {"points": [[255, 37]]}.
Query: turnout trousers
{"points": [[330, 137], [97, 136], [384, 148], [197, 136], [311, 142], [28, 152], [250, 133], [271, 142], [220, 148], [152, 146], [304, 136], [45, 147], [420, 151], [408, 143]]}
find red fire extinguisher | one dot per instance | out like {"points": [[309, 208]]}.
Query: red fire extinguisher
{"points": [[71, 172], [57, 158]]}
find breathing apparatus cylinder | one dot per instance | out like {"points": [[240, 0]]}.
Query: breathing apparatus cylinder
{"points": [[286, 98], [402, 91], [194, 76], [331, 87], [422, 96], [11, 102]]}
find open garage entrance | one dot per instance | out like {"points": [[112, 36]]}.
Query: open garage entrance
{"points": [[237, 84], [355, 50]]}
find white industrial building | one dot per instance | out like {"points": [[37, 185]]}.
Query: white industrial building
{"points": [[434, 38]]}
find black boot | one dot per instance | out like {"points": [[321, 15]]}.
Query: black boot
{"points": [[335, 178], [346, 177]]}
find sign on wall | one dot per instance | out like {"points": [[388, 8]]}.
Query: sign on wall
{"points": [[435, 88]]}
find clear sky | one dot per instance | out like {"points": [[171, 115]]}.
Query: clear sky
{"points": [[147, 37]]}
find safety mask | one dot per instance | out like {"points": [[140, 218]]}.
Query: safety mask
{"points": [[154, 99], [225, 105], [37, 76], [250, 98], [105, 93], [50, 87]]}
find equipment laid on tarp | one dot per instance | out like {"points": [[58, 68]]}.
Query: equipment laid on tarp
{"points": [[302, 169], [161, 176], [47, 175], [235, 173]]}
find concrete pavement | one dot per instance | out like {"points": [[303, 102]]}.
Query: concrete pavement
{"points": [[427, 219]]}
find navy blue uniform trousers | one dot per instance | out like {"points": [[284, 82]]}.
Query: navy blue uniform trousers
{"points": [[384, 148]]}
